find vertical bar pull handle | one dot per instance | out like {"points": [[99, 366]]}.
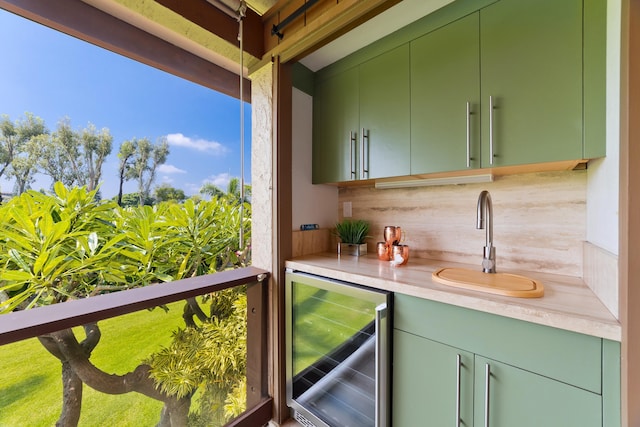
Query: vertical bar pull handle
{"points": [[487, 377], [468, 134], [458, 366], [491, 135], [382, 367], [352, 163], [365, 154]]}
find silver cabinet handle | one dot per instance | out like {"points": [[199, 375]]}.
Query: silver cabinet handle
{"points": [[458, 366], [352, 138], [487, 375], [491, 141], [365, 157], [468, 134], [382, 366]]}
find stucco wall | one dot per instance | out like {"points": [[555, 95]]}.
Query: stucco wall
{"points": [[262, 245], [313, 204]]}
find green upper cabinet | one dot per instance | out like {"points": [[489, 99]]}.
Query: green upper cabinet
{"points": [[474, 85], [531, 81], [335, 128], [384, 115], [361, 120], [445, 98]]}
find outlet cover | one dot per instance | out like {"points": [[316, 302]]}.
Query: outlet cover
{"points": [[346, 209]]}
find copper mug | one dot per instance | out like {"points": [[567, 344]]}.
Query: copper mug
{"points": [[384, 251], [393, 235], [399, 254]]}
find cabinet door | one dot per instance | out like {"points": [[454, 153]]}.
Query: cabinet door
{"points": [[524, 399], [384, 115], [445, 77], [335, 123], [531, 67], [425, 382]]}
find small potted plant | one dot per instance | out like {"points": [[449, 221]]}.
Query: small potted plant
{"points": [[352, 234]]}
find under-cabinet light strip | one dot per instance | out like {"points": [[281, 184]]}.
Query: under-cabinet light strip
{"points": [[471, 179]]}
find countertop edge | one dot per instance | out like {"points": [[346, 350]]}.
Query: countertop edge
{"points": [[403, 280]]}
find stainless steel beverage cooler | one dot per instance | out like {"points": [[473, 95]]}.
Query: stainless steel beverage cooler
{"points": [[338, 352]]}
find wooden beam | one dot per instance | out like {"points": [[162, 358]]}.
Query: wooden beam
{"points": [[257, 343], [20, 325], [207, 16], [85, 22], [322, 24], [281, 208]]}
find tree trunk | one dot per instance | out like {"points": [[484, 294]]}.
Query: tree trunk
{"points": [[64, 346], [71, 383], [120, 188], [71, 397]]}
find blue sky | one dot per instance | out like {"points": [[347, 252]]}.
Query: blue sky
{"points": [[53, 76]]}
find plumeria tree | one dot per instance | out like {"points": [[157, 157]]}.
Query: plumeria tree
{"points": [[68, 245]]}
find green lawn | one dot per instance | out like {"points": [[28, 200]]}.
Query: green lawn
{"points": [[30, 381]]}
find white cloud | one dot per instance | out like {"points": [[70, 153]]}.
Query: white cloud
{"points": [[198, 144], [191, 188], [221, 180], [170, 169]]}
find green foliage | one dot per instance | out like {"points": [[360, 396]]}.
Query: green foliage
{"points": [[166, 193], [139, 160], [133, 199], [71, 245], [56, 248], [352, 231], [75, 157], [19, 141], [232, 194], [206, 233], [209, 359]]}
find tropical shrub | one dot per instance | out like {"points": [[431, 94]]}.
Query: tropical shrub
{"points": [[69, 245]]}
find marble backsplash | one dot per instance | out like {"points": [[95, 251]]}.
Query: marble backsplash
{"points": [[539, 220]]}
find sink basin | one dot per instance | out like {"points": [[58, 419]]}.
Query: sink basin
{"points": [[507, 284]]}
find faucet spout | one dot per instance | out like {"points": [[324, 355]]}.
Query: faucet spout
{"points": [[485, 220]]}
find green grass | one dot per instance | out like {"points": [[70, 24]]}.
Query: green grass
{"points": [[30, 380]]}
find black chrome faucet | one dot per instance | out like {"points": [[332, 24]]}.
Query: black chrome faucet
{"points": [[485, 220]]}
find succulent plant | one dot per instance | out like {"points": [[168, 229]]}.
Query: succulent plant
{"points": [[352, 231]]}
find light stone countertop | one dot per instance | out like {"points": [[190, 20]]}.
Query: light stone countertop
{"points": [[568, 303]]}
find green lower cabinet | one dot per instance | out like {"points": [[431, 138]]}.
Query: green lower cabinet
{"points": [[524, 399], [537, 375], [426, 391]]}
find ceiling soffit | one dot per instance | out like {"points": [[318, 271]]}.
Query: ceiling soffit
{"points": [[206, 27], [220, 46]]}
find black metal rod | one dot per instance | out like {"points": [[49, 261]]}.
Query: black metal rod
{"points": [[276, 29]]}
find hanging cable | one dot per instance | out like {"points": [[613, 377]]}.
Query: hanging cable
{"points": [[242, 10]]}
